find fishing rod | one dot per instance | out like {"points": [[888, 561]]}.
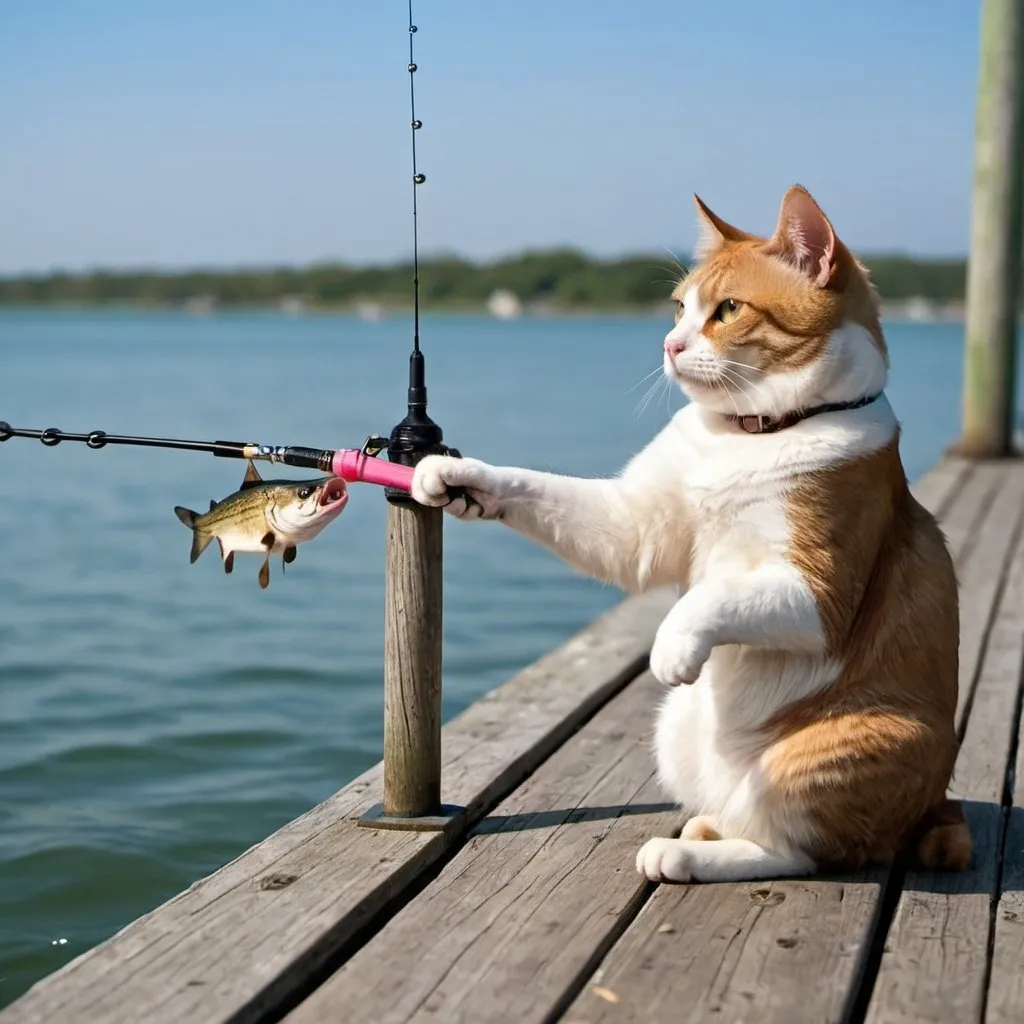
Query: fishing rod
{"points": [[354, 465], [410, 440]]}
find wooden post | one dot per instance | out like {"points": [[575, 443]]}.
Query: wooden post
{"points": [[995, 260], [412, 662]]}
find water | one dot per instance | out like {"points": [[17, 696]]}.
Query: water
{"points": [[156, 717]]}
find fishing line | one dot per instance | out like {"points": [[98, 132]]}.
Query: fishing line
{"points": [[417, 180]]}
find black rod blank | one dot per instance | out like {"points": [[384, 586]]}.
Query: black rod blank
{"points": [[99, 439], [290, 455]]}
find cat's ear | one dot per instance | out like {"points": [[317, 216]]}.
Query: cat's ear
{"points": [[713, 231], [804, 236]]}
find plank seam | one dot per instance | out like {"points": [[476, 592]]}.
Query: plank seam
{"points": [[603, 948], [863, 985], [979, 519], [964, 478], [1004, 831], [997, 600]]}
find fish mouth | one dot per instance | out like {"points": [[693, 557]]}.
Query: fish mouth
{"points": [[333, 494]]}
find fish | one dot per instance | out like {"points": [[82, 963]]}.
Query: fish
{"points": [[268, 517]]}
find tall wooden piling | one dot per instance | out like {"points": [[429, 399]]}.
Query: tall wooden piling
{"points": [[995, 261], [412, 662]]}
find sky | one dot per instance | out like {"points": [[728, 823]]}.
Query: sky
{"points": [[250, 133]]}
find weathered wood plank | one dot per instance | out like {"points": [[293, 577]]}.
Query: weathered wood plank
{"points": [[248, 936], [937, 489], [964, 516], [718, 955], [935, 962], [983, 574], [542, 888], [1005, 1003], [771, 952]]}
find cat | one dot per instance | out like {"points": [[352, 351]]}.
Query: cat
{"points": [[812, 655]]}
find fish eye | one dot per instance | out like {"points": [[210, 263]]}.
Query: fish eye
{"points": [[728, 310], [305, 492]]}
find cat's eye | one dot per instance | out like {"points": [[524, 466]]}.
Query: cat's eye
{"points": [[728, 310], [679, 308]]}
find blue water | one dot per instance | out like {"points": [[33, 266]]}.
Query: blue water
{"points": [[157, 717]]}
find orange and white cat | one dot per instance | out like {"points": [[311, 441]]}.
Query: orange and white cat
{"points": [[817, 628]]}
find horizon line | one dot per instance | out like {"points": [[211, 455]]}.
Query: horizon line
{"points": [[437, 255]]}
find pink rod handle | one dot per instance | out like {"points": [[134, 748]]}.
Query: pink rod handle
{"points": [[355, 467]]}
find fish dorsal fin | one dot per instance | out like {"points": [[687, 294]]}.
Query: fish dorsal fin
{"points": [[213, 504], [252, 476]]}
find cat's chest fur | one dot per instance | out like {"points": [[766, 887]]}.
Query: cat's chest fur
{"points": [[737, 486], [738, 492]]}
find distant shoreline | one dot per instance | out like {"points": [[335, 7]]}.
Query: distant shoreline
{"points": [[557, 282]]}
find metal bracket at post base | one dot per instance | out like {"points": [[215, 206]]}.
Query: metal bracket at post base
{"points": [[447, 816]]}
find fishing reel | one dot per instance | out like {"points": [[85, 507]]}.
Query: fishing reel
{"points": [[416, 436]]}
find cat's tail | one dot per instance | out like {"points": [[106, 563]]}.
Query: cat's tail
{"points": [[944, 840]]}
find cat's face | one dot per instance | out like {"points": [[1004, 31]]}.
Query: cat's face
{"points": [[768, 326]]}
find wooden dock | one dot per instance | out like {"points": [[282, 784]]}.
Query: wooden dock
{"points": [[529, 908]]}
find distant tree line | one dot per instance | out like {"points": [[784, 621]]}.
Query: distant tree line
{"points": [[558, 278]]}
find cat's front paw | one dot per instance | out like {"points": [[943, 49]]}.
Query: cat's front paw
{"points": [[436, 474], [678, 656], [664, 860]]}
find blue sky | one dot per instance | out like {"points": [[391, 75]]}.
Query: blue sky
{"points": [[226, 132]]}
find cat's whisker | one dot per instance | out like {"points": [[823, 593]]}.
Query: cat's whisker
{"points": [[737, 383], [655, 397], [669, 391], [676, 259], [738, 368], [648, 395], [658, 369], [674, 271], [730, 396], [667, 388], [725, 363]]}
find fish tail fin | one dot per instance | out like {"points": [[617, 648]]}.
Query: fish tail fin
{"points": [[186, 515], [200, 540]]}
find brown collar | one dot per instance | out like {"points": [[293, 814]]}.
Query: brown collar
{"points": [[770, 424]]}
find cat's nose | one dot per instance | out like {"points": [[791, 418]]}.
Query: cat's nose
{"points": [[673, 346]]}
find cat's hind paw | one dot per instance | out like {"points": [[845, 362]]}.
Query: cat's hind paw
{"points": [[702, 827]]}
